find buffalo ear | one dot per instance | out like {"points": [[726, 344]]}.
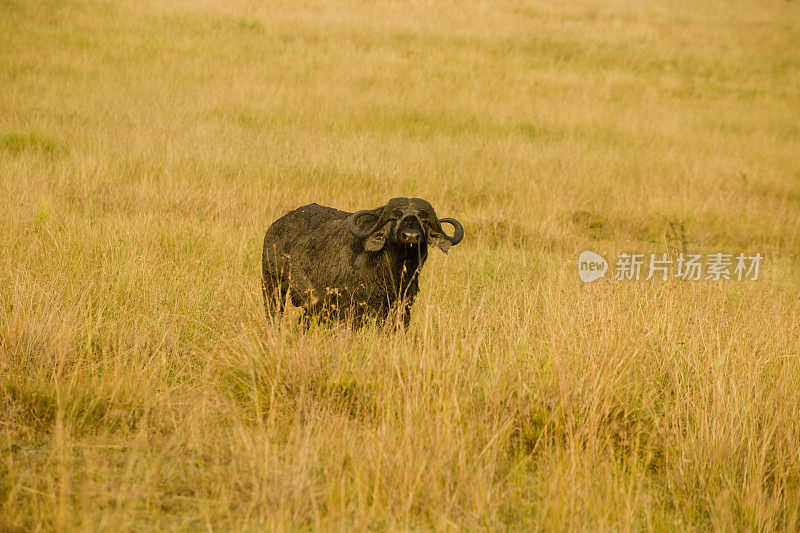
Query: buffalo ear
{"points": [[377, 240], [437, 239]]}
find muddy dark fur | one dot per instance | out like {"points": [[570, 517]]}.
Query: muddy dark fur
{"points": [[349, 266]]}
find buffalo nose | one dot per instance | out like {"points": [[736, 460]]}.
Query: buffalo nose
{"points": [[409, 236]]}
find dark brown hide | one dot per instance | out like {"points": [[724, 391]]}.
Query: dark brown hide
{"points": [[342, 265]]}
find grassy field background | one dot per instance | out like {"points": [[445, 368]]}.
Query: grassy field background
{"points": [[146, 146]]}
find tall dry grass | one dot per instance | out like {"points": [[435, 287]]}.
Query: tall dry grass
{"points": [[146, 146]]}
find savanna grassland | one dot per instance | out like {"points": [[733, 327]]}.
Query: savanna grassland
{"points": [[145, 146]]}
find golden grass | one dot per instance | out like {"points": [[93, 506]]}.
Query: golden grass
{"points": [[146, 146]]}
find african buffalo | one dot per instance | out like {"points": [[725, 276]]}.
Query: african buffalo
{"points": [[340, 265]]}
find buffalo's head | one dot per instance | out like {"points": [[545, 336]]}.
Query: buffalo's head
{"points": [[407, 222]]}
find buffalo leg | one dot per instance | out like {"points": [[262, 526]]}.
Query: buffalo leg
{"points": [[274, 293]]}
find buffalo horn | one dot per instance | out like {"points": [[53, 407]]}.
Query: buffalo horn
{"points": [[352, 221], [459, 230]]}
